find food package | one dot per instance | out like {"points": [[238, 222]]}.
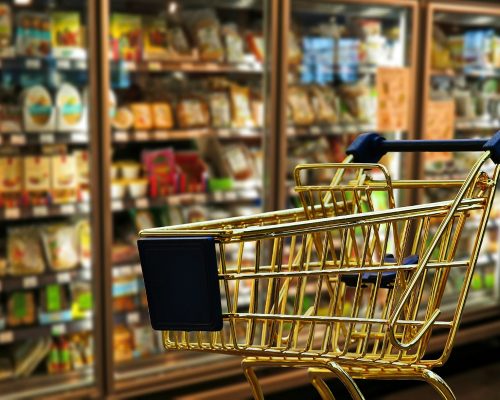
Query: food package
{"points": [[178, 41], [36, 178], [70, 109], [85, 242], [83, 167], [238, 161], [323, 102], [144, 341], [205, 31], [123, 119], [11, 177], [234, 44], [302, 112], [21, 309], [10, 119], [240, 107], [5, 26], [38, 111], [66, 34], [193, 171], [81, 299], [64, 178], [33, 34], [24, 251], [256, 45], [122, 344], [155, 39], [126, 36], [27, 355], [257, 107], [142, 116], [61, 246], [162, 116], [159, 166], [220, 109], [54, 304], [191, 113], [3, 272]]}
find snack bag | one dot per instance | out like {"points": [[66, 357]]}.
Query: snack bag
{"points": [[155, 39], [61, 246], [240, 107], [24, 251], [160, 169], [126, 36], [162, 116], [234, 44], [192, 112], [21, 309], [220, 109], [205, 31], [66, 33], [142, 116], [5, 25], [64, 178], [300, 105]]}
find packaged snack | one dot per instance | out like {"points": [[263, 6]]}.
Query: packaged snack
{"points": [[10, 118], [205, 30], [257, 107], [36, 178], [64, 178], [233, 43], [298, 99], [21, 308], [81, 299], [85, 242], [178, 40], [240, 107], [160, 169], [83, 167], [257, 45], [75, 352], [24, 251], [144, 341], [123, 119], [323, 104], [155, 39], [33, 34], [220, 109], [38, 110], [193, 171], [191, 113], [142, 116], [162, 116], [5, 25], [126, 36], [238, 161], [69, 108], [54, 304], [122, 344], [66, 33], [11, 180], [61, 246]]}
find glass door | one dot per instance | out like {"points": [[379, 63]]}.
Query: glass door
{"points": [[461, 100], [187, 110], [47, 269], [351, 69]]}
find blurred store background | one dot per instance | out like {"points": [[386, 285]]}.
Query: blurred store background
{"points": [[119, 115]]}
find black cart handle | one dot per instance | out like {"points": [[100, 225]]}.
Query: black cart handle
{"points": [[371, 147]]}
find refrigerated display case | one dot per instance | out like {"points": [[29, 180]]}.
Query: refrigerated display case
{"points": [[351, 69], [48, 292], [188, 132], [460, 96]]}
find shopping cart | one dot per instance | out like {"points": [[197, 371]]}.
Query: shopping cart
{"points": [[347, 286]]}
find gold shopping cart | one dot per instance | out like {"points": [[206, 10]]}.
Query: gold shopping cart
{"points": [[348, 286]]}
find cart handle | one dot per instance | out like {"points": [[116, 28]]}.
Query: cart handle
{"points": [[371, 147]]}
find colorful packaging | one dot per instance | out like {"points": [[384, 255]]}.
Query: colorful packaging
{"points": [[162, 116], [220, 109], [61, 246], [66, 33], [24, 251], [36, 177], [299, 102], [240, 107], [192, 112], [33, 34], [11, 177], [5, 25], [160, 169], [70, 109], [64, 178], [234, 44], [38, 110], [142, 116], [126, 36], [21, 309], [123, 119], [155, 39], [205, 30]]}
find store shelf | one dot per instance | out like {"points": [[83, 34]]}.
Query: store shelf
{"points": [[467, 125], [186, 134], [43, 138], [328, 130], [34, 386], [11, 335], [44, 211], [188, 67], [10, 283], [473, 72], [35, 63]]}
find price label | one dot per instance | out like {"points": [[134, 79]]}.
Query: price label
{"points": [[58, 329], [47, 138], [174, 200], [200, 198], [67, 209], [154, 66], [121, 136], [224, 133], [12, 213], [117, 205], [218, 196], [79, 137], [141, 135], [40, 211], [63, 64], [160, 135], [133, 318], [33, 63], [130, 65], [231, 196], [315, 130], [30, 282], [291, 131], [6, 337], [63, 277], [17, 139], [142, 203], [81, 64], [186, 66]]}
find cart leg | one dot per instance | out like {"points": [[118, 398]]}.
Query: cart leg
{"points": [[346, 379], [439, 385], [247, 365], [320, 385]]}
